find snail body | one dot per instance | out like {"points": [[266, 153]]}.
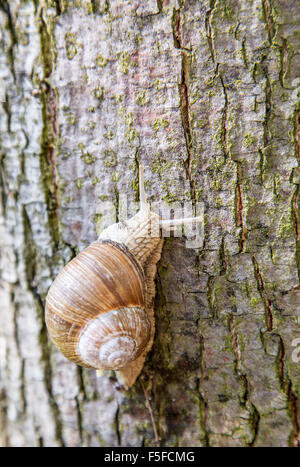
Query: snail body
{"points": [[99, 309]]}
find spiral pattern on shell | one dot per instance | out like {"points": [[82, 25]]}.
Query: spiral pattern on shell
{"points": [[95, 308], [115, 338]]}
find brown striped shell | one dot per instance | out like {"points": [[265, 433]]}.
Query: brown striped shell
{"points": [[95, 308]]}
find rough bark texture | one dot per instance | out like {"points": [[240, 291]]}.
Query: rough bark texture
{"points": [[206, 95]]}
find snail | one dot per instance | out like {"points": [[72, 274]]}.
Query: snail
{"points": [[99, 309]]}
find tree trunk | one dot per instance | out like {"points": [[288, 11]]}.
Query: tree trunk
{"points": [[206, 95]]}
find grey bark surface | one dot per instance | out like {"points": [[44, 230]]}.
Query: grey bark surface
{"points": [[206, 95]]}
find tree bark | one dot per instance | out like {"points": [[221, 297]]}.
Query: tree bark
{"points": [[206, 95]]}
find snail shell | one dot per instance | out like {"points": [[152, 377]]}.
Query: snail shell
{"points": [[95, 308]]}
